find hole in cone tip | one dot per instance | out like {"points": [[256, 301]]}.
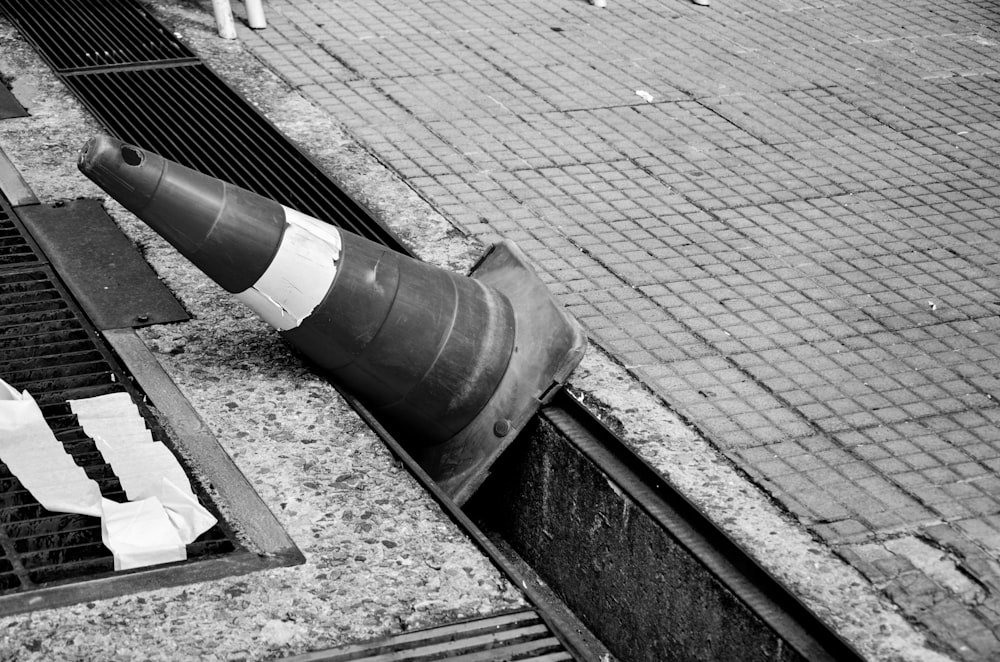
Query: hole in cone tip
{"points": [[85, 152], [131, 155]]}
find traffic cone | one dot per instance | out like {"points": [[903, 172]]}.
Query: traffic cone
{"points": [[453, 366]]}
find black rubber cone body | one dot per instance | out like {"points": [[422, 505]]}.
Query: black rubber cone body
{"points": [[418, 344], [228, 232], [453, 366]]}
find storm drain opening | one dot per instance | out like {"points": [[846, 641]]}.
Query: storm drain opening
{"points": [[641, 566], [125, 54], [50, 348], [73, 34]]}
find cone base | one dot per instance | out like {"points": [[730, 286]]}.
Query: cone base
{"points": [[548, 345]]}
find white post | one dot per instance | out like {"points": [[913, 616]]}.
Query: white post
{"points": [[224, 19], [255, 14]]}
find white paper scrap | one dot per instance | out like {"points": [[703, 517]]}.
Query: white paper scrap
{"points": [[110, 405], [139, 468], [163, 515], [189, 517], [119, 431], [300, 274], [79, 495], [39, 461], [145, 468], [111, 417], [21, 411], [8, 392], [139, 533]]}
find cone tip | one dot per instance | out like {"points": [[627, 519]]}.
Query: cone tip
{"points": [[101, 149], [127, 173]]}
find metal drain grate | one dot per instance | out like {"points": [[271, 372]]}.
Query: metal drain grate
{"points": [[74, 36], [164, 108], [49, 348], [144, 107], [520, 635]]}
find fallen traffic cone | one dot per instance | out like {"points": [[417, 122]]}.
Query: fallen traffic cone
{"points": [[454, 366]]}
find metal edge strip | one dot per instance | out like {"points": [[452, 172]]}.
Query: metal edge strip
{"points": [[76, 591], [579, 645], [244, 507], [12, 184]]}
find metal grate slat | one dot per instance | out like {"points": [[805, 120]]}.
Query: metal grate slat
{"points": [[99, 51], [102, 91], [312, 191], [15, 249], [214, 150], [273, 159]]}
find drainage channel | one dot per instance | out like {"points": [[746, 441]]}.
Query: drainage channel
{"points": [[655, 580], [51, 347], [517, 635], [148, 89], [643, 567]]}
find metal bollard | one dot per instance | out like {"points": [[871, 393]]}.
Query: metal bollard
{"points": [[224, 19], [255, 14]]}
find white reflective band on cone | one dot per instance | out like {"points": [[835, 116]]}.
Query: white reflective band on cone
{"points": [[299, 276]]}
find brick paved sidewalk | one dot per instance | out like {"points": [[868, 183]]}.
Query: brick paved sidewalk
{"points": [[784, 217]]}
